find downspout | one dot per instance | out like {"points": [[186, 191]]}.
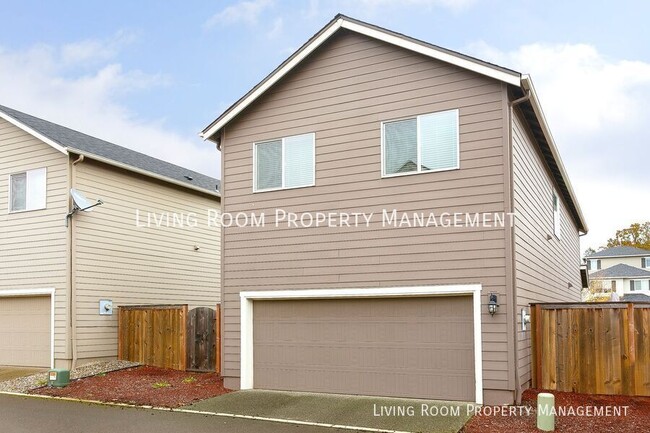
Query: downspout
{"points": [[518, 391], [73, 292]]}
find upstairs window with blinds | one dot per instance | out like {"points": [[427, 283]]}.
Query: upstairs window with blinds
{"points": [[284, 163], [429, 142]]}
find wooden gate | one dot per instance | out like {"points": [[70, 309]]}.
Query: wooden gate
{"points": [[593, 348], [168, 336], [202, 340]]}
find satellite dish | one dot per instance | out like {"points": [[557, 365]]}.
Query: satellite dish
{"points": [[80, 201], [81, 204]]}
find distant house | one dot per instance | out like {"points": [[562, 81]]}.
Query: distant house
{"points": [[363, 119], [56, 269], [621, 270]]}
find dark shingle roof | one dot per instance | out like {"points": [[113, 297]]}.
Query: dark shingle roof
{"points": [[620, 271], [635, 297], [619, 252], [86, 144]]}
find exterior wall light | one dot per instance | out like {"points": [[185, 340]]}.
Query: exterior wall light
{"points": [[492, 304]]}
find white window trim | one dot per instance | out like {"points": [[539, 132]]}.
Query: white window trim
{"points": [[647, 262], [418, 146], [557, 216], [26, 192], [313, 143], [37, 292], [247, 311]]}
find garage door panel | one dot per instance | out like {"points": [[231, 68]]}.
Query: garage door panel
{"points": [[409, 347], [25, 331]]}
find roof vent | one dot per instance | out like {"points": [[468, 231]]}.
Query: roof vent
{"points": [[188, 177]]}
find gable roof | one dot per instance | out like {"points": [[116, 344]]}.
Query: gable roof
{"points": [[67, 140], [620, 271], [620, 251], [530, 104], [635, 297]]}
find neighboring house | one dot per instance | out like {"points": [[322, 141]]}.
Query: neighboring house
{"points": [[636, 257], [361, 119], [52, 277], [620, 269]]}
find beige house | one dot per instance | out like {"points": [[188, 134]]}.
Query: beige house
{"points": [[148, 243], [622, 270], [349, 285]]}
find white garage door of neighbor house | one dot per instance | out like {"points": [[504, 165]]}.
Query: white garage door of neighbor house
{"points": [[25, 331], [397, 347]]}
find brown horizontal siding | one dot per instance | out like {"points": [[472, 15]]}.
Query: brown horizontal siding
{"points": [[342, 93], [115, 259], [34, 244], [544, 268]]}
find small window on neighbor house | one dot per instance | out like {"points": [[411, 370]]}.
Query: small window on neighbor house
{"points": [[613, 285], [27, 190], [594, 264], [420, 144], [284, 163], [636, 285], [556, 216], [645, 262]]}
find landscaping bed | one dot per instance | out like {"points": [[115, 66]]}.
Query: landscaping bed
{"points": [[150, 386], [637, 418]]}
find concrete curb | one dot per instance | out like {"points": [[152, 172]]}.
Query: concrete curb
{"points": [[205, 413]]}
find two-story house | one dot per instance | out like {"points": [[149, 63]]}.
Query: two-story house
{"points": [[61, 271], [371, 155], [622, 270]]}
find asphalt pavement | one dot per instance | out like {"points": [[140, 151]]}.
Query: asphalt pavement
{"points": [[20, 414]]}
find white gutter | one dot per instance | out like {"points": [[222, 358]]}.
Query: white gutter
{"points": [[143, 172]]}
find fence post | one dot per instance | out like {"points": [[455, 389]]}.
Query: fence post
{"points": [[183, 351], [632, 346], [119, 334], [538, 345], [218, 342]]}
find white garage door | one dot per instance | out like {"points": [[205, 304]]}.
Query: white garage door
{"points": [[25, 331]]}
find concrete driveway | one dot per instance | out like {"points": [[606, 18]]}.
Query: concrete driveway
{"points": [[8, 373], [385, 414]]}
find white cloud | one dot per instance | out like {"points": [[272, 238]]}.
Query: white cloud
{"points": [[597, 110], [276, 29], [247, 12], [44, 83]]}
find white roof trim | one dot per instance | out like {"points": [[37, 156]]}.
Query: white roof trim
{"points": [[30, 131], [539, 113], [143, 172], [493, 72]]}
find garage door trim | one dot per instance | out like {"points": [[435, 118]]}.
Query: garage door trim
{"points": [[247, 298], [37, 292]]}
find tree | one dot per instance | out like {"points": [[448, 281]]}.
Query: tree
{"points": [[589, 251], [637, 235]]}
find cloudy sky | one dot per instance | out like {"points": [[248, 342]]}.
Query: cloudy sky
{"points": [[150, 75]]}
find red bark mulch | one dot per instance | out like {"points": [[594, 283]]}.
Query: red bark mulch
{"points": [[149, 386], [637, 418]]}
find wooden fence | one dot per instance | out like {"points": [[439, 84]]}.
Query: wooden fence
{"points": [[594, 348], [168, 336]]}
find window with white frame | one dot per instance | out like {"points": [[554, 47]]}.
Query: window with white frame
{"points": [[556, 216], [429, 142], [284, 163], [594, 264], [645, 262], [636, 285], [27, 190]]}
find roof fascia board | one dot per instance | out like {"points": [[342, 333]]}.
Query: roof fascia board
{"points": [[34, 133], [273, 79], [513, 79], [143, 172], [534, 100]]}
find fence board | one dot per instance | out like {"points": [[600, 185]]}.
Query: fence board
{"points": [[592, 348]]}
